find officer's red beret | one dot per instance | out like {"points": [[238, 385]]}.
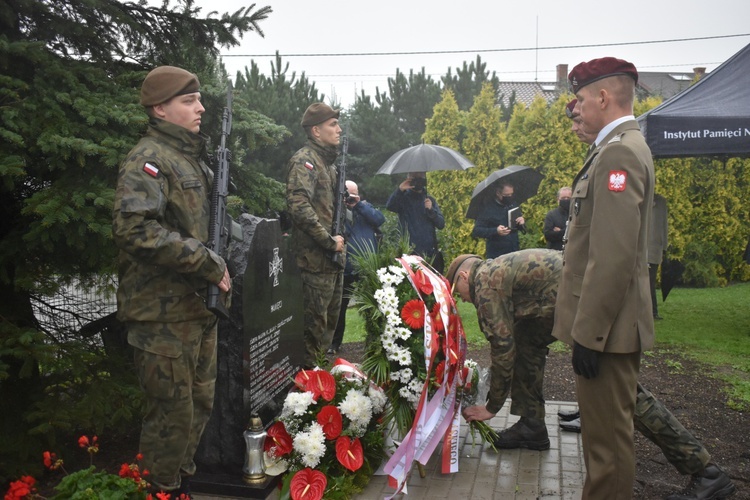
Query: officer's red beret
{"points": [[596, 69], [570, 107]]}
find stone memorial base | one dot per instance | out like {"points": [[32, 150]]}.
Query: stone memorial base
{"points": [[232, 485]]}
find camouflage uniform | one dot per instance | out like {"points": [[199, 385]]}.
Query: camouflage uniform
{"points": [[161, 215], [310, 193], [515, 299], [658, 425]]}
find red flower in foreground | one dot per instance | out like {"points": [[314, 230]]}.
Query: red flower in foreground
{"points": [[439, 373], [278, 441], [318, 382], [423, 282], [330, 419], [437, 318], [308, 484], [323, 384], [92, 445], [51, 461], [19, 489], [301, 379], [349, 452], [413, 314]]}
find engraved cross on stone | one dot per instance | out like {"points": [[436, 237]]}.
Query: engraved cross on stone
{"points": [[275, 267]]}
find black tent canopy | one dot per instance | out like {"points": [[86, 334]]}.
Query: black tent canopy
{"points": [[711, 117]]}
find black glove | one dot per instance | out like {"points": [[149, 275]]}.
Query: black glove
{"points": [[585, 361]]}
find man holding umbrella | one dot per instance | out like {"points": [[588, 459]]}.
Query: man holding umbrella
{"points": [[500, 221], [419, 215]]}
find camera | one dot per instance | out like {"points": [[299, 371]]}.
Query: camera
{"points": [[351, 199]]}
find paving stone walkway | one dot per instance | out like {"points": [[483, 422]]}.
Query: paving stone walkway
{"points": [[484, 474]]}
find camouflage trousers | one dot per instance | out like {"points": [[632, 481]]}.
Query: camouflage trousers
{"points": [[532, 336], [322, 303], [658, 425], [179, 382]]}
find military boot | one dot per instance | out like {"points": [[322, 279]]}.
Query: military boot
{"points": [[709, 484], [530, 433]]}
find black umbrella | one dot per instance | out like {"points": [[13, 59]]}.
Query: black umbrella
{"points": [[424, 158], [525, 181], [671, 272]]}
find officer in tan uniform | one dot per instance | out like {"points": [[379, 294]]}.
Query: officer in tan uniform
{"points": [[515, 299], [603, 304], [657, 423], [160, 224], [310, 196]]}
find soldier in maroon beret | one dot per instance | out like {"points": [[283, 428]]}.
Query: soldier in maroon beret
{"points": [[603, 304]]}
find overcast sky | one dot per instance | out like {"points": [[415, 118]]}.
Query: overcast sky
{"points": [[498, 27]]}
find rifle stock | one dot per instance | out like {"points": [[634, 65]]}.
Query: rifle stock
{"points": [[220, 223]]}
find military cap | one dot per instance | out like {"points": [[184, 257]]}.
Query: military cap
{"points": [[318, 112], [450, 275], [166, 82], [570, 107], [596, 69]]}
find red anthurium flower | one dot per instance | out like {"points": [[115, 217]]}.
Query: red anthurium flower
{"points": [[423, 282], [349, 452], [278, 441], [413, 314], [437, 318], [330, 419], [308, 484], [302, 378], [323, 384]]}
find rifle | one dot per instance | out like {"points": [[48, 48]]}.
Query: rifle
{"points": [[221, 226], [339, 205]]}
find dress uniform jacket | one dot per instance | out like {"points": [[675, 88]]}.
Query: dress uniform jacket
{"points": [[604, 301]]}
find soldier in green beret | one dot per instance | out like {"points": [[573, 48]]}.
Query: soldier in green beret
{"points": [[310, 195], [515, 299], [160, 224]]}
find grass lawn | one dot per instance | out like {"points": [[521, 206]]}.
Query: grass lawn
{"points": [[711, 325]]}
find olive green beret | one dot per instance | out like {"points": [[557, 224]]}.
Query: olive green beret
{"points": [[450, 275], [318, 113], [166, 82]]}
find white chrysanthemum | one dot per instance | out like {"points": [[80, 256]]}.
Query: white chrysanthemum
{"points": [[406, 375], [377, 397], [392, 354], [393, 318], [389, 343], [405, 393], [397, 271], [310, 445], [358, 409], [403, 357], [415, 386], [402, 333], [470, 363], [296, 403]]}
